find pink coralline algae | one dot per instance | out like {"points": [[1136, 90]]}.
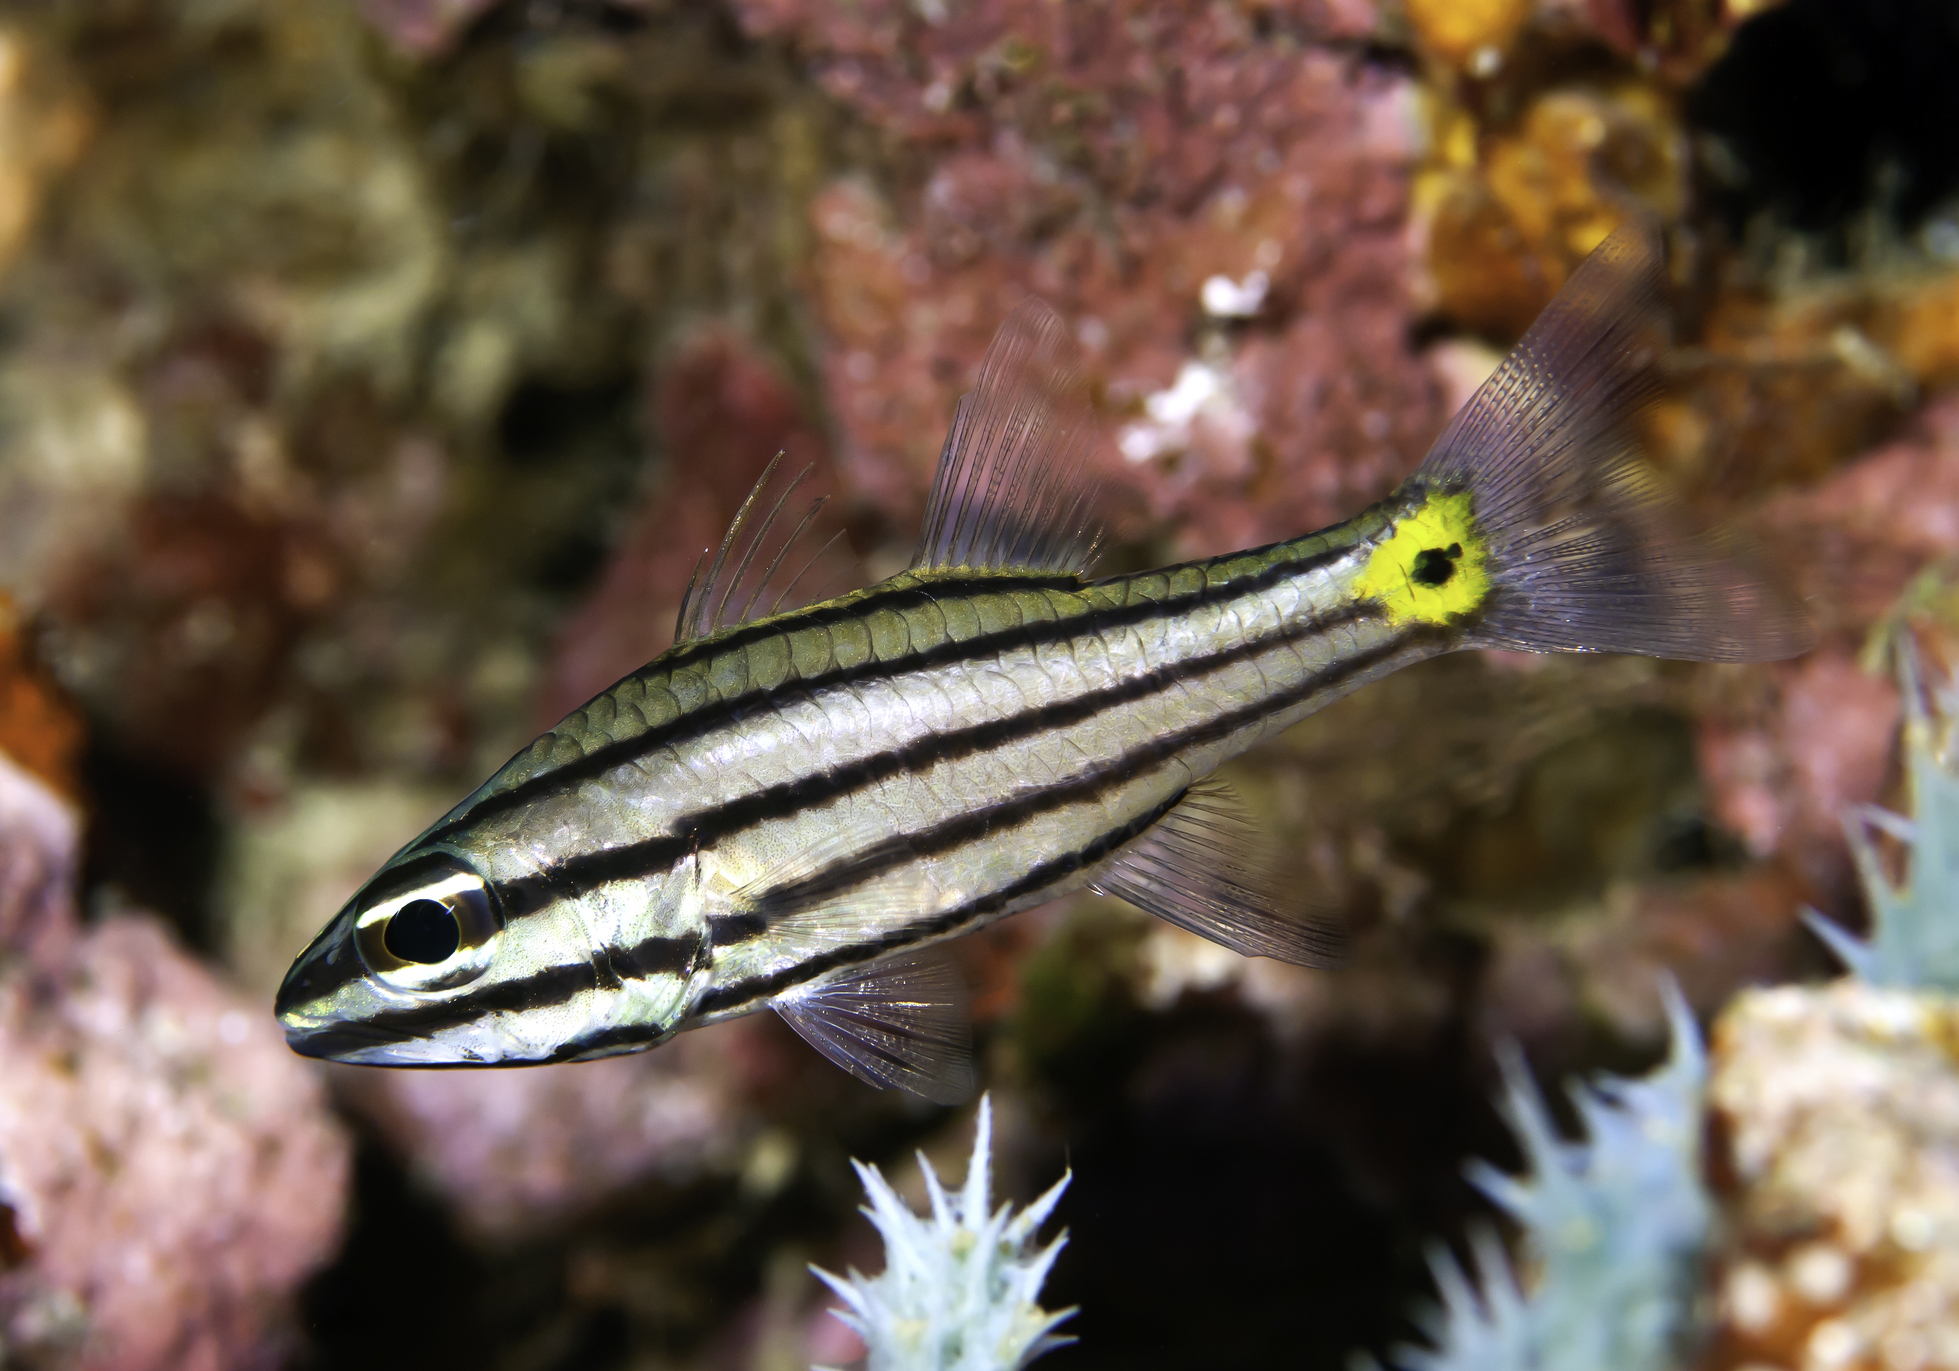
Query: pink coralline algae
{"points": [[1816, 739], [1851, 543], [1217, 201], [169, 1171], [1812, 736]]}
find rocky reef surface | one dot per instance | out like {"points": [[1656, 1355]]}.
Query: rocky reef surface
{"points": [[169, 1172], [372, 375], [1840, 1110]]}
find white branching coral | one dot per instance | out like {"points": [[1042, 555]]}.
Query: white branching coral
{"points": [[1914, 942], [960, 1285], [1614, 1226]]}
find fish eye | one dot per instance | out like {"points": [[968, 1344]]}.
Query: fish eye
{"points": [[423, 932], [433, 925]]}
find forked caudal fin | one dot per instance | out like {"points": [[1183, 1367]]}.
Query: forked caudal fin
{"points": [[1534, 518]]}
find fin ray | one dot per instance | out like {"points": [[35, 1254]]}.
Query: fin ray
{"points": [[727, 595], [1206, 868], [1587, 552], [1013, 487], [896, 1022]]}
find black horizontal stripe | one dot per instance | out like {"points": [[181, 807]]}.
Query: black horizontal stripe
{"points": [[552, 986], [745, 994], [609, 1041], [882, 857], [697, 723], [655, 957], [330, 962], [726, 929], [633, 861]]}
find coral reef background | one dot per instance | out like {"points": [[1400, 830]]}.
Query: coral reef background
{"points": [[372, 373]]}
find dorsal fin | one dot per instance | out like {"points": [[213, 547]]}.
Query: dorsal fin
{"points": [[1013, 487], [900, 1021], [770, 559], [1207, 868]]}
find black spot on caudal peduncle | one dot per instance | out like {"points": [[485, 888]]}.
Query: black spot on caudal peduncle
{"points": [[1435, 565]]}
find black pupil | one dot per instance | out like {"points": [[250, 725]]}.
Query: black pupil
{"points": [[1435, 565], [423, 931]]}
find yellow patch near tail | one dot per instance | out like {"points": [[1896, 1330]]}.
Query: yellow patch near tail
{"points": [[1433, 568]]}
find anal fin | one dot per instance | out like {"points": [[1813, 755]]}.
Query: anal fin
{"points": [[900, 1021], [1206, 868]]}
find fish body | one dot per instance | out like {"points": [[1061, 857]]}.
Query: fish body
{"points": [[786, 810]]}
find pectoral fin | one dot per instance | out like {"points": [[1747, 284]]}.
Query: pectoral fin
{"points": [[900, 1021], [853, 887], [1206, 868]]}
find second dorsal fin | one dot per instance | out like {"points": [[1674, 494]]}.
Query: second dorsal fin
{"points": [[776, 555], [1013, 486]]}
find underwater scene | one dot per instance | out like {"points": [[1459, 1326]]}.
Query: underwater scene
{"points": [[940, 685]]}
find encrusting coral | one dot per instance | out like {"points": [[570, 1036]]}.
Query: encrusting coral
{"points": [[960, 1287], [372, 375], [1839, 1107]]}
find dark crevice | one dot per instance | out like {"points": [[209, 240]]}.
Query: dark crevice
{"points": [[1822, 110], [404, 1289], [152, 839]]}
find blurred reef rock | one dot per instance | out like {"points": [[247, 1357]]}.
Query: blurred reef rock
{"points": [[169, 1172], [1214, 196], [1839, 1112]]}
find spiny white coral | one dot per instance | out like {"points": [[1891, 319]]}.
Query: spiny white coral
{"points": [[1914, 940], [959, 1287], [1615, 1226]]}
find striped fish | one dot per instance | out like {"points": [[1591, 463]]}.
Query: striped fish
{"points": [[789, 807]]}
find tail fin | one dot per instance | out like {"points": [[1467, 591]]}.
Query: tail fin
{"points": [[1583, 550]]}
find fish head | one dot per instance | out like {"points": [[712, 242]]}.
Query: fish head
{"points": [[443, 960]]}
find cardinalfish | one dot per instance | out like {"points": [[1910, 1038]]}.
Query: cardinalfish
{"points": [[791, 806]]}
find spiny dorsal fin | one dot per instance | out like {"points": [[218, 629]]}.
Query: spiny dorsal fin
{"points": [[769, 560], [1206, 868], [900, 1021], [1588, 553], [1013, 487]]}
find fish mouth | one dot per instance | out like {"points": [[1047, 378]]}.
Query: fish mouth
{"points": [[328, 963], [357, 1043], [313, 1030], [354, 1043]]}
